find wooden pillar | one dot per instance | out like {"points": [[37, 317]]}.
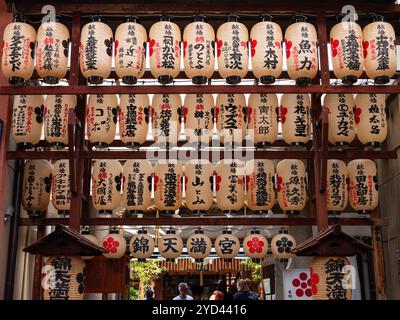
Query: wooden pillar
{"points": [[379, 268], [37, 290]]}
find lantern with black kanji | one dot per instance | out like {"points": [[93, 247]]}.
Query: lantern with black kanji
{"points": [[56, 113], [347, 51], [18, 51], [170, 245], [331, 278], [230, 185], [291, 184], [296, 118], [255, 246], [106, 185], [134, 115], [64, 278], [115, 244], [165, 50], [52, 51], [198, 117], [101, 119], [230, 112], [260, 192], [36, 187], [96, 50], [198, 246], [199, 185], [130, 51], [136, 189], [301, 51], [262, 118], [166, 109], [141, 245], [168, 178], [363, 185], [27, 120], [232, 50], [87, 234], [61, 188], [281, 246], [198, 50], [379, 42], [266, 50], [227, 245], [370, 116], [342, 129], [336, 186]]}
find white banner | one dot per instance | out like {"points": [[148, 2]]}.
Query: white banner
{"points": [[297, 284]]}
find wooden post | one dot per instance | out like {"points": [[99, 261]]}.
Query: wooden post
{"points": [[379, 268], [37, 289]]}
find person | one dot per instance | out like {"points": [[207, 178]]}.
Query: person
{"points": [[230, 293], [243, 291], [149, 294], [217, 295], [183, 292]]}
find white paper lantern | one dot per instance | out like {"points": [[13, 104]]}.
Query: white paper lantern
{"points": [[141, 245], [255, 246], [61, 187], [227, 246], [170, 245], [198, 246], [281, 246], [336, 186], [115, 244]]}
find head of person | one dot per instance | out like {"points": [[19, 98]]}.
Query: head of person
{"points": [[183, 289], [217, 295], [243, 286], [149, 294]]}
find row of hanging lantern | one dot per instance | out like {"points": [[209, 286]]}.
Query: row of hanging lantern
{"points": [[351, 48]]}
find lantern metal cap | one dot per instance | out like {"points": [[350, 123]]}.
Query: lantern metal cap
{"points": [[299, 18], [266, 17], [255, 231], [376, 17], [227, 231], [114, 230], [134, 19], [199, 18], [233, 18]]}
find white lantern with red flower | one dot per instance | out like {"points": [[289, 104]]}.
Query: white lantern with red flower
{"points": [[198, 245], [281, 246], [141, 245], [227, 245], [255, 246], [115, 244]]}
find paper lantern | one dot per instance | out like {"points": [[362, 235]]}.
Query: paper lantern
{"points": [[336, 186], [52, 51], [92, 238], [230, 111], [260, 191], [134, 112], [18, 52], [141, 245], [331, 278], [262, 118], [36, 187], [101, 119], [136, 189], [199, 185], [232, 50], [168, 186], [255, 246], [96, 51], [106, 185], [130, 51], [198, 50], [61, 188], [165, 50], [266, 50], [165, 116], [342, 128], [64, 278], [379, 50], [296, 118], [227, 246], [27, 120], [115, 244], [56, 113], [301, 51], [198, 117], [347, 51], [292, 193], [229, 186], [281, 246], [170, 246], [363, 185], [370, 116], [198, 246]]}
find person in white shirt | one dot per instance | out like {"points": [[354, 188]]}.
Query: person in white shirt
{"points": [[183, 292]]}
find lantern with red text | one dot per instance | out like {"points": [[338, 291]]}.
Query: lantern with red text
{"points": [[136, 189], [291, 184], [168, 176], [36, 187], [165, 50], [170, 245], [61, 187], [336, 186], [227, 245], [86, 233], [27, 120], [198, 50], [255, 246], [141, 245], [106, 185], [266, 50], [115, 244], [363, 185], [134, 113], [130, 51], [232, 50], [296, 118], [198, 245], [281, 246]]}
